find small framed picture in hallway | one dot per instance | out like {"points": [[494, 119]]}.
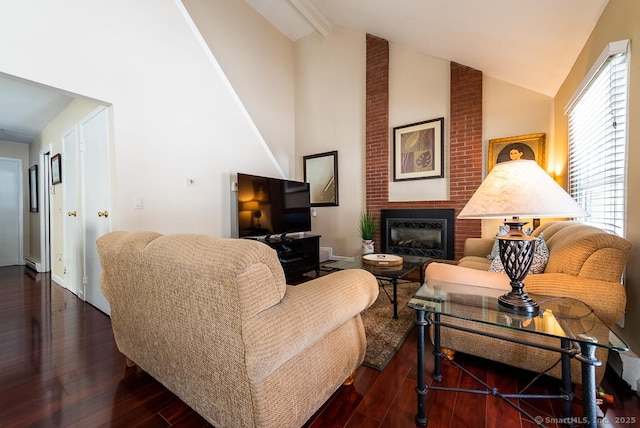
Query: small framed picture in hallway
{"points": [[33, 189], [56, 169], [418, 150]]}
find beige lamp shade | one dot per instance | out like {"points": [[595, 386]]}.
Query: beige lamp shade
{"points": [[520, 188]]}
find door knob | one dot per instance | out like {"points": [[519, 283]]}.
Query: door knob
{"points": [[103, 213], [72, 213]]}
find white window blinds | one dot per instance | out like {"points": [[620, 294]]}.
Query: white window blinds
{"points": [[598, 140]]}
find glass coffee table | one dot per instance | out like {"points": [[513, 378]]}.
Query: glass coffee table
{"points": [[389, 274], [574, 324]]}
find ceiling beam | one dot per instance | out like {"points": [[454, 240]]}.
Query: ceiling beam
{"points": [[314, 16]]}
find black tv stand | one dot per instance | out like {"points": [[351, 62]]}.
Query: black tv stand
{"points": [[275, 238], [297, 254]]}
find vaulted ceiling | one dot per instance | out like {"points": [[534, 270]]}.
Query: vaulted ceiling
{"points": [[530, 43]]}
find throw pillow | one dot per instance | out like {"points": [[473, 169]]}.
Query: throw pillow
{"points": [[495, 251], [503, 230], [540, 259]]}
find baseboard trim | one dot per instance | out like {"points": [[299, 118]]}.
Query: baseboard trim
{"points": [[334, 257], [59, 281], [325, 254], [33, 264]]}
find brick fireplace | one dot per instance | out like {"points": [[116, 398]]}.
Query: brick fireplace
{"points": [[465, 136]]}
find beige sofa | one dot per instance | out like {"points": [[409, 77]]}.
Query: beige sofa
{"points": [[213, 320], [585, 263]]}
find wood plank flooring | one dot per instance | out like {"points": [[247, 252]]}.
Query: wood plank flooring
{"points": [[59, 367]]}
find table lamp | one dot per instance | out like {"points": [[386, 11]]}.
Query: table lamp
{"points": [[254, 207], [517, 189]]}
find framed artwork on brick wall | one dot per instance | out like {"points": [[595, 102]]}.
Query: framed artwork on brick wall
{"points": [[418, 150], [530, 146]]}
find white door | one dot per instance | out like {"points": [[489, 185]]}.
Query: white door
{"points": [[94, 133], [44, 184], [72, 237], [10, 211]]}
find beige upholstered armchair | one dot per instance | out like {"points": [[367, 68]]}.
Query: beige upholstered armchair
{"points": [[213, 320], [585, 263]]}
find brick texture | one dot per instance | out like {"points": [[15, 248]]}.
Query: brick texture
{"points": [[465, 131], [377, 124]]}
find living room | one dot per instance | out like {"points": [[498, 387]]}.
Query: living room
{"points": [[185, 108]]}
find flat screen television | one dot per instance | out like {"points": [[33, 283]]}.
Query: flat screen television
{"points": [[272, 206]]}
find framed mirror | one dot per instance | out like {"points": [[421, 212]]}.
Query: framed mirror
{"points": [[321, 172]]}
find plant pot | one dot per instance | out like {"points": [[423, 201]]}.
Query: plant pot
{"points": [[367, 246]]}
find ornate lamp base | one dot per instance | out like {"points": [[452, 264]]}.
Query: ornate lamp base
{"points": [[516, 254], [519, 303]]}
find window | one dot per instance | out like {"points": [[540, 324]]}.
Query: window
{"points": [[598, 140]]}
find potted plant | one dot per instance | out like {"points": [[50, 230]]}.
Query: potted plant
{"points": [[368, 227]]}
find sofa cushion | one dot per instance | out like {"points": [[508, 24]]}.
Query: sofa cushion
{"points": [[585, 251], [495, 250], [540, 259], [463, 275], [475, 262]]}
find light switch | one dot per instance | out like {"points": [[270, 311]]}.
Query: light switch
{"points": [[138, 203]]}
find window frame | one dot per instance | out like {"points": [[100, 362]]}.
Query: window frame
{"points": [[611, 50]]}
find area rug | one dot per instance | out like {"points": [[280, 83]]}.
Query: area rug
{"points": [[384, 334]]}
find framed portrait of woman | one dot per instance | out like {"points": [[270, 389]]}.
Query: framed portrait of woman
{"points": [[529, 147]]}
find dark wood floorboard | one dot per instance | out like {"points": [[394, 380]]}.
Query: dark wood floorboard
{"points": [[59, 367]]}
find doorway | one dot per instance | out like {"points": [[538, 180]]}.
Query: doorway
{"points": [[11, 224], [84, 212], [71, 222], [45, 205], [94, 133]]}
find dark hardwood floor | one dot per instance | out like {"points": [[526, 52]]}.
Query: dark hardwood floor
{"points": [[59, 367]]}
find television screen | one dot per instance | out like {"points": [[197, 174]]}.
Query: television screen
{"points": [[272, 206]]}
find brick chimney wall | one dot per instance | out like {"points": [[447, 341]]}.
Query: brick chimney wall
{"points": [[465, 136], [377, 125]]}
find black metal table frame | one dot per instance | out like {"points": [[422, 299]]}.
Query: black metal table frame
{"points": [[394, 280], [585, 354]]}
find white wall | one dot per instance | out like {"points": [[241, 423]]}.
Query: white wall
{"points": [[330, 115], [418, 91], [174, 116], [259, 62], [510, 110]]}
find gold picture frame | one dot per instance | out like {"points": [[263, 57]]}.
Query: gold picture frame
{"points": [[529, 146]]}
